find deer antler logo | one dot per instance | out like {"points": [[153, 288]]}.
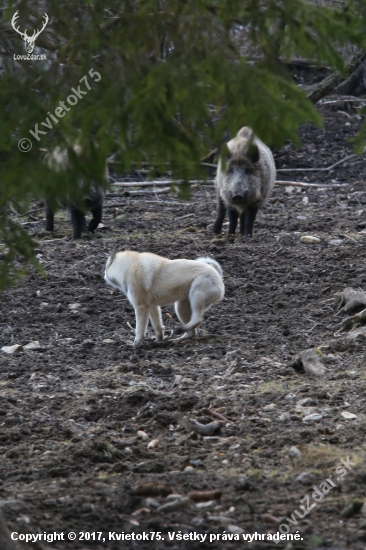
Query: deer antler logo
{"points": [[29, 40]]}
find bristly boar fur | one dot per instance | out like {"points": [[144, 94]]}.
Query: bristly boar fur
{"points": [[246, 182], [58, 160]]}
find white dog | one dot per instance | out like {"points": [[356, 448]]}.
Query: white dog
{"points": [[150, 281]]}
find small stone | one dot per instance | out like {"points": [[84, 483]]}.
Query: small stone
{"points": [[294, 452], [309, 361], [207, 504], [142, 434], [284, 416], [269, 407], [108, 341], [188, 469], [289, 189], [75, 306], [335, 242], [33, 345], [305, 478], [305, 200], [152, 503], [305, 401], [315, 417], [348, 416], [310, 239], [12, 349], [178, 504], [153, 444]]}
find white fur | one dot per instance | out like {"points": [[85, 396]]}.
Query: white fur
{"points": [[150, 281]]}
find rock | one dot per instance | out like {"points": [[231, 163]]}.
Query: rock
{"points": [[305, 478], [75, 306], [33, 345], [177, 380], [108, 341], [153, 444], [12, 349], [310, 239], [306, 401], [184, 502], [289, 189], [294, 452], [284, 416], [335, 242], [309, 361], [207, 504], [269, 407], [202, 429], [142, 435], [315, 417], [348, 416], [152, 502]]}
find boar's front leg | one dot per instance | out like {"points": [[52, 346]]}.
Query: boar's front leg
{"points": [[221, 212], [49, 218], [96, 219], [233, 219], [78, 221], [247, 220]]}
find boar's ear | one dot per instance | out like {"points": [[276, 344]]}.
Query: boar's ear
{"points": [[225, 156], [253, 153]]}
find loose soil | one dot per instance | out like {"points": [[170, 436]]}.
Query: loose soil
{"points": [[72, 411]]}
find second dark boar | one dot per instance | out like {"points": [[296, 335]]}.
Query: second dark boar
{"points": [[58, 161], [246, 182]]}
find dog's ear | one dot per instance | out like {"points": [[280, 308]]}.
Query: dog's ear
{"points": [[111, 258]]}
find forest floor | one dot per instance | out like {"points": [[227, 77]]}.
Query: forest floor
{"points": [[78, 411]]}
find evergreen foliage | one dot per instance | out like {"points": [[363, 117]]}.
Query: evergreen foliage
{"points": [[168, 80]]}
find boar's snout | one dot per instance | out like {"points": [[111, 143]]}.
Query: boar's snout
{"points": [[243, 198]]}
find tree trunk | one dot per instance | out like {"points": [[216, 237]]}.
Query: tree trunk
{"points": [[333, 80]]}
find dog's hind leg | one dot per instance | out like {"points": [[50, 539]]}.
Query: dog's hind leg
{"points": [[157, 323], [184, 312], [142, 318], [203, 293]]}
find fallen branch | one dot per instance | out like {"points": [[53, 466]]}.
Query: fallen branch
{"points": [[158, 183], [305, 184], [333, 80], [326, 169]]}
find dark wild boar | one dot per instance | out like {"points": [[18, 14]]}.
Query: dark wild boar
{"points": [[58, 160]]}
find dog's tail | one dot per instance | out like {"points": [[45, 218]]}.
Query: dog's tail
{"points": [[213, 263]]}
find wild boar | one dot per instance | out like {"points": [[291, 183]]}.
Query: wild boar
{"points": [[58, 161], [245, 183]]}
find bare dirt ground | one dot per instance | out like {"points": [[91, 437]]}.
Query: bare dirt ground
{"points": [[73, 457]]}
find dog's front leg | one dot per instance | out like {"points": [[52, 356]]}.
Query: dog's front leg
{"points": [[157, 323], [142, 318]]}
